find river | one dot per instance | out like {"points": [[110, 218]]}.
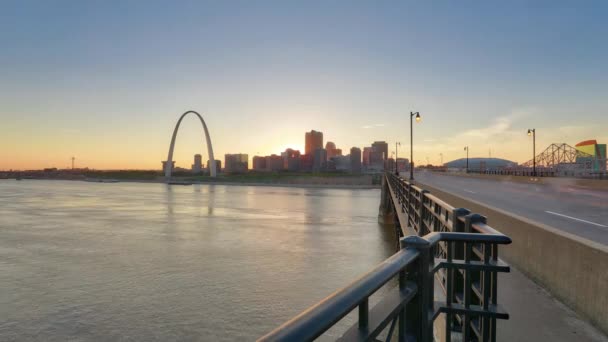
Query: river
{"points": [[150, 262]]}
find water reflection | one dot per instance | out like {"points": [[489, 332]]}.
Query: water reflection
{"points": [[155, 262]]}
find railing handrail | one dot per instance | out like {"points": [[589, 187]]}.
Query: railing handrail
{"points": [[467, 251], [499, 238], [317, 319]]}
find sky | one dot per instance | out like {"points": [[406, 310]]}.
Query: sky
{"points": [[106, 81]]}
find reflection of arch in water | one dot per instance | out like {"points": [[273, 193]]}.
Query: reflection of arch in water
{"points": [[169, 164]]}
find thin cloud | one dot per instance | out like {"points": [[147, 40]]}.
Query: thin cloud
{"points": [[373, 126]]}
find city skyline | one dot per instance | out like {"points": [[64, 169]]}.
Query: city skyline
{"points": [[108, 88]]}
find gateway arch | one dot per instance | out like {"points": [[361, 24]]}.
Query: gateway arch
{"points": [[169, 164]]}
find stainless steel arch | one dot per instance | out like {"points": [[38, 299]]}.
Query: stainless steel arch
{"points": [[169, 164]]}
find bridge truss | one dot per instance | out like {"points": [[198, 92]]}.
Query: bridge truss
{"points": [[564, 157]]}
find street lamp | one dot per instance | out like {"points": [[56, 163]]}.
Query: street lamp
{"points": [[396, 159], [466, 148], [418, 118], [532, 132]]}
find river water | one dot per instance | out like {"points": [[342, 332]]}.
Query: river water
{"points": [[146, 261]]}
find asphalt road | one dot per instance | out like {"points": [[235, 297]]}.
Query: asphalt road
{"points": [[582, 212]]}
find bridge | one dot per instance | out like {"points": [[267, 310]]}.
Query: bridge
{"points": [[439, 245], [442, 283]]}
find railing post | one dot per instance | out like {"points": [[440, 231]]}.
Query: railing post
{"points": [[419, 310], [469, 276], [454, 276], [364, 314], [423, 230]]}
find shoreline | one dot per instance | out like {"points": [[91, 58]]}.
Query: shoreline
{"points": [[188, 183]]}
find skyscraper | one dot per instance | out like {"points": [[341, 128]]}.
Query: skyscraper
{"points": [[314, 141], [366, 152], [197, 167], [355, 160], [319, 163], [382, 147]]}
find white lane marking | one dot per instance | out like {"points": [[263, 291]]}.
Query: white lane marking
{"points": [[577, 219], [469, 191]]}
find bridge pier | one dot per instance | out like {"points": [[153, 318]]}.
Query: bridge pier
{"points": [[386, 212]]}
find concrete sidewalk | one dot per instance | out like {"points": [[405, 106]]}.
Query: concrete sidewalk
{"points": [[535, 315]]}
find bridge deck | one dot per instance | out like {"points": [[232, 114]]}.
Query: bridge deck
{"points": [[405, 228], [535, 315]]}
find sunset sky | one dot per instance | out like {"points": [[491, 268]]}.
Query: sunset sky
{"points": [[106, 81]]}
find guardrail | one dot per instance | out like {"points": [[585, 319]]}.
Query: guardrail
{"points": [[516, 172], [458, 249]]}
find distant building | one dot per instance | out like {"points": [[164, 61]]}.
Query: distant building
{"points": [[274, 163], [319, 163], [341, 163], [236, 163], [305, 164], [389, 164], [330, 165], [165, 165], [382, 147], [259, 163], [314, 141], [355, 160], [218, 165], [403, 164], [291, 159], [376, 160], [591, 154], [476, 163], [366, 152], [332, 151], [197, 167]]}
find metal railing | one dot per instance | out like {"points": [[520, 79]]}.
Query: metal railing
{"points": [[458, 249]]}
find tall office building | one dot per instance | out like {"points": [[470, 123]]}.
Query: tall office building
{"points": [[366, 152], [355, 160], [382, 147], [197, 167], [314, 141], [376, 161], [319, 163], [236, 163]]}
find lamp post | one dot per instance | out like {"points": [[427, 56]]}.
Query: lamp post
{"points": [[532, 132], [397, 158], [418, 118], [466, 148]]}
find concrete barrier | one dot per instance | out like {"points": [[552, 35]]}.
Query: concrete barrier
{"points": [[573, 269], [595, 184]]}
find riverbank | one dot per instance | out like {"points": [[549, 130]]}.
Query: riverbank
{"points": [[289, 181]]}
